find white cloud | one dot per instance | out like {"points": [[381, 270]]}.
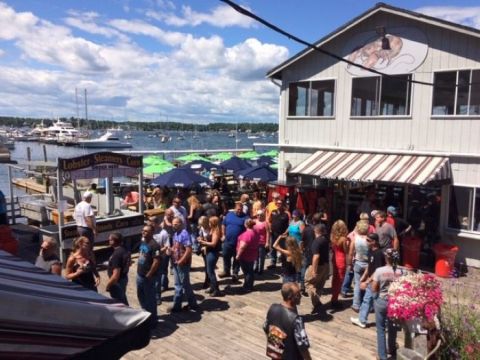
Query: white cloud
{"points": [[139, 27], [87, 22], [191, 79], [469, 16], [222, 16]]}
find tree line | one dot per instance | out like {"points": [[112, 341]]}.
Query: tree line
{"points": [[17, 122]]}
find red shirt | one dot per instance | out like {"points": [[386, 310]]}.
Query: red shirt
{"points": [[249, 238], [390, 220]]}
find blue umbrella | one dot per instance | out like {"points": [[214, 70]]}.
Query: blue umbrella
{"points": [[258, 173], [235, 164], [200, 165], [181, 178], [265, 160]]}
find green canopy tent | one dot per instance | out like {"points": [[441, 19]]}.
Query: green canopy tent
{"points": [[271, 153], [249, 155], [191, 157], [152, 159], [158, 168], [222, 156]]}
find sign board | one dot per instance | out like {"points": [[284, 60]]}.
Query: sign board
{"points": [[407, 50], [100, 165]]}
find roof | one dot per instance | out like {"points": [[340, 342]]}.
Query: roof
{"points": [[276, 72]]}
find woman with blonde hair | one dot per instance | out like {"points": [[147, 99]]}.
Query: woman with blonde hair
{"points": [[293, 257], [81, 267], [357, 259], [212, 243], [338, 240], [158, 199]]}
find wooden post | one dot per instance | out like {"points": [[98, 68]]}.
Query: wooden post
{"points": [[60, 213], [29, 156], [12, 205]]}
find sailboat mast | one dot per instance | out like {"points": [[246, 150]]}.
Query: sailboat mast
{"points": [[86, 109], [76, 105]]}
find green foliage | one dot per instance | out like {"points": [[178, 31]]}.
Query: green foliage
{"points": [[460, 320], [145, 126]]}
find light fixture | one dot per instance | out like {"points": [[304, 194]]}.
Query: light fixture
{"points": [[385, 41]]}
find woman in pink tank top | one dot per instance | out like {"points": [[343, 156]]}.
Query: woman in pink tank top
{"points": [[262, 228]]}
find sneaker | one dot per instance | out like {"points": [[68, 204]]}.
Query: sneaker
{"points": [[216, 293], [356, 321], [336, 305], [172, 309], [191, 308], [223, 274]]}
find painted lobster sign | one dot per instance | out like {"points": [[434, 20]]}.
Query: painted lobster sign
{"points": [[407, 49]]}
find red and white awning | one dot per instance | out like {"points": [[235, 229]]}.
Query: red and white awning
{"points": [[369, 167]]}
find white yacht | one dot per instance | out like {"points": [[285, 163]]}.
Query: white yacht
{"points": [[107, 140], [63, 132]]}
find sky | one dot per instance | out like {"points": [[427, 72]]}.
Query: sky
{"points": [[194, 61]]}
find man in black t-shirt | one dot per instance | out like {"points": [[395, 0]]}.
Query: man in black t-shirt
{"points": [[279, 220], [118, 266], [286, 336], [376, 259], [318, 273]]}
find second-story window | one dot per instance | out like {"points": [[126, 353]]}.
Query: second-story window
{"points": [[381, 96], [456, 93], [311, 98]]}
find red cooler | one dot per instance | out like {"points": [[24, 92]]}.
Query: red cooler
{"points": [[445, 259], [7, 240], [411, 251]]}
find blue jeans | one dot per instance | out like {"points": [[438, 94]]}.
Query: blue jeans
{"points": [[260, 262], [162, 276], [289, 278], [211, 259], [301, 274], [383, 326], [183, 287], [366, 306], [347, 282], [229, 251], [146, 295], [247, 269], [358, 270], [118, 291]]}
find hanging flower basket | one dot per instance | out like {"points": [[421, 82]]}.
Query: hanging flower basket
{"points": [[414, 297]]}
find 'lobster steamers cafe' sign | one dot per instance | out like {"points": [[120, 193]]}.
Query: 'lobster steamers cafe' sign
{"points": [[100, 165]]}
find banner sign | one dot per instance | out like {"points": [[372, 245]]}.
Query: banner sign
{"points": [[100, 165]]}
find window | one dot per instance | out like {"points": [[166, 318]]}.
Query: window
{"points": [[464, 208], [311, 98], [381, 96], [456, 93]]}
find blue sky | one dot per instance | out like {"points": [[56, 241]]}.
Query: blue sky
{"points": [[153, 60]]}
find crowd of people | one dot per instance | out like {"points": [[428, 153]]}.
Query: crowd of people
{"points": [[308, 248]]}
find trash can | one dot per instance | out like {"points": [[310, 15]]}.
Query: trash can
{"points": [[411, 246], [444, 259], [8, 242]]}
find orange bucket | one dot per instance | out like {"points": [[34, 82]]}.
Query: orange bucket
{"points": [[445, 259]]}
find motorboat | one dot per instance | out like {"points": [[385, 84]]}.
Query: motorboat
{"points": [[107, 140], [63, 131]]}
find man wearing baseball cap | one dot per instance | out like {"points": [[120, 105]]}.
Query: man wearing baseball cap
{"points": [[85, 218]]}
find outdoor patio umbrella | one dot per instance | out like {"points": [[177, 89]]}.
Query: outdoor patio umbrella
{"points": [[235, 164], [222, 156], [151, 159], [265, 160], [271, 153], [258, 173], [200, 165], [180, 178], [158, 168], [249, 155], [191, 157]]}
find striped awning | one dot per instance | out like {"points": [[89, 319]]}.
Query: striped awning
{"points": [[369, 167]]}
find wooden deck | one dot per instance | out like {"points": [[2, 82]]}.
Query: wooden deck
{"points": [[230, 327]]}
